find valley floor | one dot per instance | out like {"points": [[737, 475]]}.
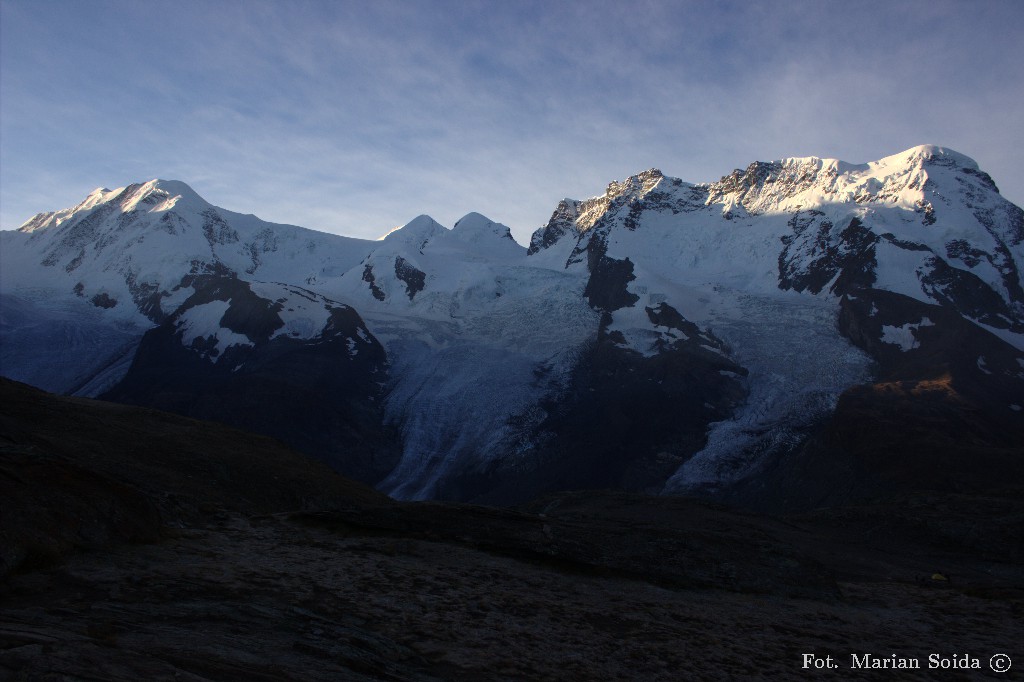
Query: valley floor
{"points": [[140, 545], [267, 598]]}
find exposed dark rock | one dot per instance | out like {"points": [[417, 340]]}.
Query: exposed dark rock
{"points": [[698, 342], [982, 177], [904, 244], [264, 242], [743, 182], [102, 300], [939, 415], [944, 344], [1016, 220], [414, 279], [171, 223], [322, 396], [1007, 267], [606, 288], [146, 296], [561, 222], [216, 230], [968, 255], [927, 212], [814, 255], [968, 294], [374, 289], [626, 421], [126, 219], [889, 438], [75, 262], [248, 314]]}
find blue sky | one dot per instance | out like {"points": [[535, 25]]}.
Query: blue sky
{"points": [[356, 117]]}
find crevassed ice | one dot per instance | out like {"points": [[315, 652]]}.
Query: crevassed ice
{"points": [[798, 364]]}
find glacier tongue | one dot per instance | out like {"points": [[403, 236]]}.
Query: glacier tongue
{"points": [[67, 347], [798, 363], [465, 386], [451, 402]]}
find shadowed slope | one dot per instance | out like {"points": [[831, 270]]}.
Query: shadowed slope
{"points": [[346, 584]]}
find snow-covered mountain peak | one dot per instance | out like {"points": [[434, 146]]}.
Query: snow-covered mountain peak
{"points": [[576, 217], [909, 180], [631, 189], [160, 195], [126, 250], [419, 230], [473, 236], [472, 221], [927, 154], [175, 188], [635, 185], [152, 196], [474, 227], [52, 218], [800, 222], [95, 197]]}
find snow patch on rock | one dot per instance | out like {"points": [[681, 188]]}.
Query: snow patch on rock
{"points": [[196, 322], [904, 336]]}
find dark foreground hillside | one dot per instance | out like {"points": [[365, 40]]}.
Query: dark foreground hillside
{"points": [[137, 545]]}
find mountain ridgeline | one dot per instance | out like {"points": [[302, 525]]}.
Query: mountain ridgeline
{"points": [[799, 333]]}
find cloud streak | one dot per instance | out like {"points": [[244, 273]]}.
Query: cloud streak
{"points": [[355, 118]]}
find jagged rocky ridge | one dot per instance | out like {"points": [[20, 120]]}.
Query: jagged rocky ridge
{"points": [[734, 338]]}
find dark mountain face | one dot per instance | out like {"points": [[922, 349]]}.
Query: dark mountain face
{"points": [[321, 395], [939, 415], [626, 422]]}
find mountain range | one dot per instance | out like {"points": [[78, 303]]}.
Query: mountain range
{"points": [[798, 333]]}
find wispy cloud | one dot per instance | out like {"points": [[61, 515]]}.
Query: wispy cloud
{"points": [[355, 117]]}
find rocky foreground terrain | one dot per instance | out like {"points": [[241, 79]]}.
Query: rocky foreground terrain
{"points": [[138, 545]]}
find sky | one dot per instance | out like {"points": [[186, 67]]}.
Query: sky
{"points": [[355, 117]]}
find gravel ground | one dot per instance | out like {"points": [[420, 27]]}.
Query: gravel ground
{"points": [[268, 599]]}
